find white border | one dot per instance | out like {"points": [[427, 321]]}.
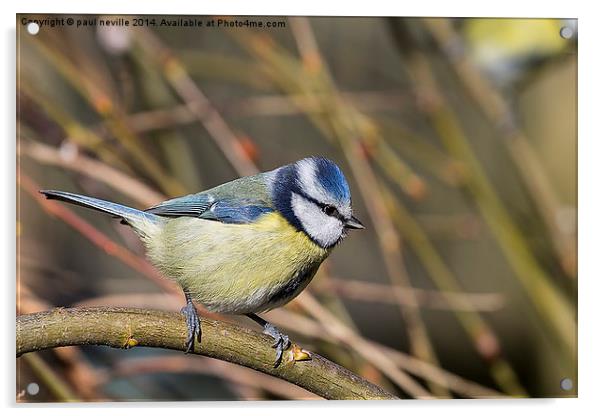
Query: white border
{"points": [[460, 8], [590, 199]]}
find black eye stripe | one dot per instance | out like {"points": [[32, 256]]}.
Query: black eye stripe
{"points": [[335, 214]]}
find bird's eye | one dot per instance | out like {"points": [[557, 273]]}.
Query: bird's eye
{"points": [[330, 210]]}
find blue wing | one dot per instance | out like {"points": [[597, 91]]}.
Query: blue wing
{"points": [[185, 206], [236, 211], [240, 201], [205, 206]]}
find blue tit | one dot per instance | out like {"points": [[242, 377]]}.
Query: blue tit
{"points": [[246, 246]]}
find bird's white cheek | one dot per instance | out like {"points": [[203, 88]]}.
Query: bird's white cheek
{"points": [[324, 229]]}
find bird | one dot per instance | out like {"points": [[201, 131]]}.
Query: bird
{"points": [[246, 246]]}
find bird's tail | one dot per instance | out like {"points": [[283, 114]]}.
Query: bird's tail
{"points": [[142, 222]]}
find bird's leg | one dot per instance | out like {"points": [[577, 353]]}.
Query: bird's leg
{"points": [[192, 322], [281, 341]]}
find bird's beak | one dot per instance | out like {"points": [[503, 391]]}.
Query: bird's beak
{"points": [[354, 223]]}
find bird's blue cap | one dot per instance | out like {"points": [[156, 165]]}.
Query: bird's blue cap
{"points": [[332, 179]]}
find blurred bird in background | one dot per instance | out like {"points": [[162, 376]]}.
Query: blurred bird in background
{"points": [[246, 246], [507, 48]]}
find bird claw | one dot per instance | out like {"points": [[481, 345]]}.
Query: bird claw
{"points": [[193, 324], [281, 341]]}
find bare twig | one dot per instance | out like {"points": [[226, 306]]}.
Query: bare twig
{"points": [[96, 237], [113, 115], [126, 328], [551, 305], [84, 165], [492, 103], [419, 298], [197, 103], [262, 105], [78, 371], [365, 348], [480, 332], [313, 329], [329, 329]]}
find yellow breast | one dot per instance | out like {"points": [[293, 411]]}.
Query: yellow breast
{"points": [[237, 268]]}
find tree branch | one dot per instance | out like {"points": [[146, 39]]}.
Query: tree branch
{"points": [[127, 328]]}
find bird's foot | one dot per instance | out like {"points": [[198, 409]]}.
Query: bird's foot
{"points": [[281, 341], [193, 323]]}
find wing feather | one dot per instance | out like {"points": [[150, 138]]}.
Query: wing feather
{"points": [[205, 206], [186, 206], [240, 201]]}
